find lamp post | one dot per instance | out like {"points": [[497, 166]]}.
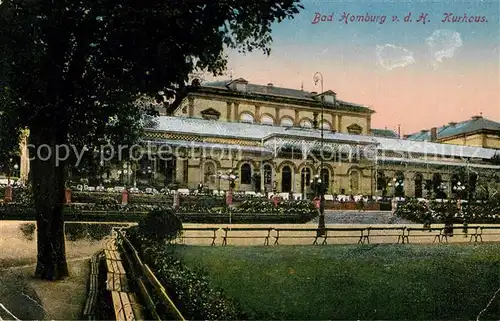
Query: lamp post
{"points": [[318, 78], [16, 167], [231, 178], [125, 173], [459, 188], [398, 184], [150, 175], [8, 171]]}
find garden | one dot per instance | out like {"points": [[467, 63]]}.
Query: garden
{"points": [[452, 211], [317, 283], [105, 206]]}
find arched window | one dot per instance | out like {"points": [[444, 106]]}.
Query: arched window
{"points": [[399, 185], [268, 174], [286, 179], [437, 183], [472, 183], [286, 122], [209, 173], [306, 123], [267, 120], [326, 126], [246, 118], [381, 181], [418, 185], [246, 174], [325, 178]]}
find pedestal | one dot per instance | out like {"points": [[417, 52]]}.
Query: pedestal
{"points": [[229, 197], [8, 194], [176, 199], [125, 197], [67, 194]]}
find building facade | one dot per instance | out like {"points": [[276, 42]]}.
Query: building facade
{"points": [[477, 131], [275, 139], [280, 139]]}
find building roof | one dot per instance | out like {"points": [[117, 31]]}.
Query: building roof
{"points": [[384, 133], [434, 162], [215, 128], [281, 92], [475, 124], [208, 146], [410, 147]]}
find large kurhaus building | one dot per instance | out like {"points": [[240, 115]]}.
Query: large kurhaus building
{"points": [[274, 139]]}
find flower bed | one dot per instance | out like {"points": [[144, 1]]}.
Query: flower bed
{"points": [[189, 289], [94, 197], [206, 211], [351, 205], [438, 212]]}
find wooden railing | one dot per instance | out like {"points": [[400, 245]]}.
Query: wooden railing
{"points": [[146, 281], [5, 314], [401, 234]]}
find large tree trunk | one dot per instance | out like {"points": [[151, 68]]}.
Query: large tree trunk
{"points": [[48, 182]]}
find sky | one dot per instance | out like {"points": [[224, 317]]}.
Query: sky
{"points": [[413, 74]]}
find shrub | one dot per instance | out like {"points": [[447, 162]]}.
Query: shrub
{"points": [[439, 212], [160, 225], [190, 290]]}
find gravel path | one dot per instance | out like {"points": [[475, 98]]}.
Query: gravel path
{"points": [[356, 217]]}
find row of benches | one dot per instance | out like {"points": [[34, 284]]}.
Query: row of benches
{"points": [[363, 234], [125, 302]]}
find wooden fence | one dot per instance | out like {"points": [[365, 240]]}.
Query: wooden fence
{"points": [[362, 235], [146, 282]]}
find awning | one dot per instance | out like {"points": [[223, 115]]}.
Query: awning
{"points": [[434, 162], [276, 144], [208, 148]]}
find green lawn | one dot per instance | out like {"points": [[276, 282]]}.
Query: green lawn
{"points": [[355, 282]]}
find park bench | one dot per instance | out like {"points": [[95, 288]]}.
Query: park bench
{"points": [[394, 231], [339, 232], [146, 283], [5, 314], [438, 236], [266, 235], [480, 232], [295, 236], [212, 236], [125, 302], [91, 302]]}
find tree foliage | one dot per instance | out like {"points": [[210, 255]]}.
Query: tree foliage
{"points": [[81, 65], [72, 72]]}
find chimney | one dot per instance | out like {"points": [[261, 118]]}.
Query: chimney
{"points": [[314, 93], [452, 124], [270, 84], [476, 117], [433, 134]]}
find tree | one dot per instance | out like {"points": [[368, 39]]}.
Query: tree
{"points": [[71, 71]]}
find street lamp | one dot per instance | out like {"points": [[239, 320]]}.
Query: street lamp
{"points": [[398, 184], [8, 171], [458, 189], [231, 177], [318, 78]]}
